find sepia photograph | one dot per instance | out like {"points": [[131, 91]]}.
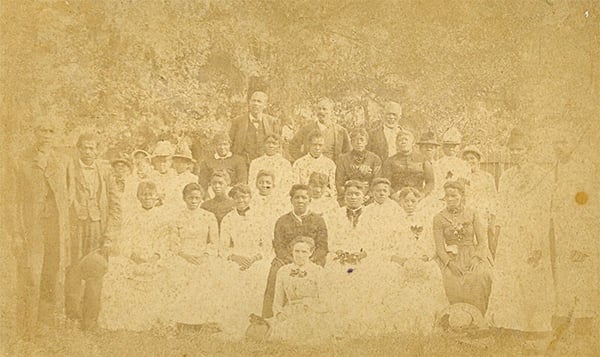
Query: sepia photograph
{"points": [[296, 178]]}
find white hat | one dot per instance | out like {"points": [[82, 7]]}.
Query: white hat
{"points": [[473, 149], [183, 151], [163, 148], [452, 136]]}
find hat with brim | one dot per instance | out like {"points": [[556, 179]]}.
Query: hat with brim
{"points": [[121, 158], [184, 152], [452, 137], [461, 316], [163, 149], [140, 151], [473, 150], [428, 138]]}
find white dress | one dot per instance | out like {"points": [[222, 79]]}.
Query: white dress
{"points": [[277, 164], [416, 289], [302, 315], [306, 165], [523, 296], [248, 236], [196, 288], [134, 296]]}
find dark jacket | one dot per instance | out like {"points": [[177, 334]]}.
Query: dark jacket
{"points": [[299, 143], [377, 143], [243, 145], [287, 228]]}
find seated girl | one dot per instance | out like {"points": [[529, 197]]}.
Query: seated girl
{"points": [[195, 270], [381, 211], [246, 244], [265, 202], [320, 202], [301, 313], [414, 272], [134, 289]]}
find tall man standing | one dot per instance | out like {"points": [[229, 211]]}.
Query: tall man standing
{"points": [[40, 227], [248, 132], [95, 215], [336, 138]]}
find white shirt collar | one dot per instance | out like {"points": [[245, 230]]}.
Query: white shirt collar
{"points": [[84, 166], [229, 154]]}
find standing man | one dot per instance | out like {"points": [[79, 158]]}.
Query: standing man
{"points": [[383, 139], [40, 227], [299, 222], [248, 132], [336, 138], [95, 215]]}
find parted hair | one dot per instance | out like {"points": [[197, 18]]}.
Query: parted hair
{"points": [[262, 173], [240, 188], [191, 187], [298, 187], [302, 239], [359, 132], [221, 174]]}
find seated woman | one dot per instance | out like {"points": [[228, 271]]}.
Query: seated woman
{"points": [[462, 249], [134, 289], [195, 270], [246, 245], [301, 314], [413, 271], [382, 211], [265, 201]]}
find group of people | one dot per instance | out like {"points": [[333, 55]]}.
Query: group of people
{"points": [[349, 234]]}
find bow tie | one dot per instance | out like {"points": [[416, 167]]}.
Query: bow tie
{"points": [[353, 215], [298, 273], [242, 212]]}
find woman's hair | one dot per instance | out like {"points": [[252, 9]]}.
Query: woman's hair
{"points": [[262, 173], [405, 191], [146, 185], [458, 185], [314, 135], [318, 179], [221, 174], [275, 136], [380, 180], [303, 239], [354, 183], [221, 137], [359, 132], [298, 187], [191, 187], [240, 188]]}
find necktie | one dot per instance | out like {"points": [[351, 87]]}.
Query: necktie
{"points": [[353, 216]]}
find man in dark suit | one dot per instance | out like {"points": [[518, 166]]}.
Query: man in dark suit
{"points": [[95, 216], [248, 131], [298, 222], [39, 226], [382, 140], [337, 140]]}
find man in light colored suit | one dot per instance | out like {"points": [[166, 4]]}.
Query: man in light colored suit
{"points": [[248, 132]]}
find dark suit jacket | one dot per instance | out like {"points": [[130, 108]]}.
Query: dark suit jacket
{"points": [[287, 228], [29, 180], [239, 129], [299, 143], [107, 210], [377, 143]]}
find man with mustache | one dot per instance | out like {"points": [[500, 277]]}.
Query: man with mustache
{"points": [[336, 138]]}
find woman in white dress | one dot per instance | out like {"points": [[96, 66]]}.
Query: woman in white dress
{"points": [[416, 291], [523, 296], [195, 269], [135, 290], [301, 313], [320, 202], [246, 244]]}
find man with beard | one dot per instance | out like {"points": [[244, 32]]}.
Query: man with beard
{"points": [[383, 139]]}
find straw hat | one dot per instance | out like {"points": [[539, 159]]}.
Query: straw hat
{"points": [[162, 149], [452, 136], [428, 138], [472, 149], [183, 152]]}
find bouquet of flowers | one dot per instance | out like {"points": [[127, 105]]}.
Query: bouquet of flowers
{"points": [[459, 231], [345, 257], [416, 231]]}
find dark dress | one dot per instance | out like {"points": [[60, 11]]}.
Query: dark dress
{"points": [[411, 170]]}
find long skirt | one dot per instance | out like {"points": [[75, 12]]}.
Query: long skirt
{"points": [[474, 286], [303, 324]]}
